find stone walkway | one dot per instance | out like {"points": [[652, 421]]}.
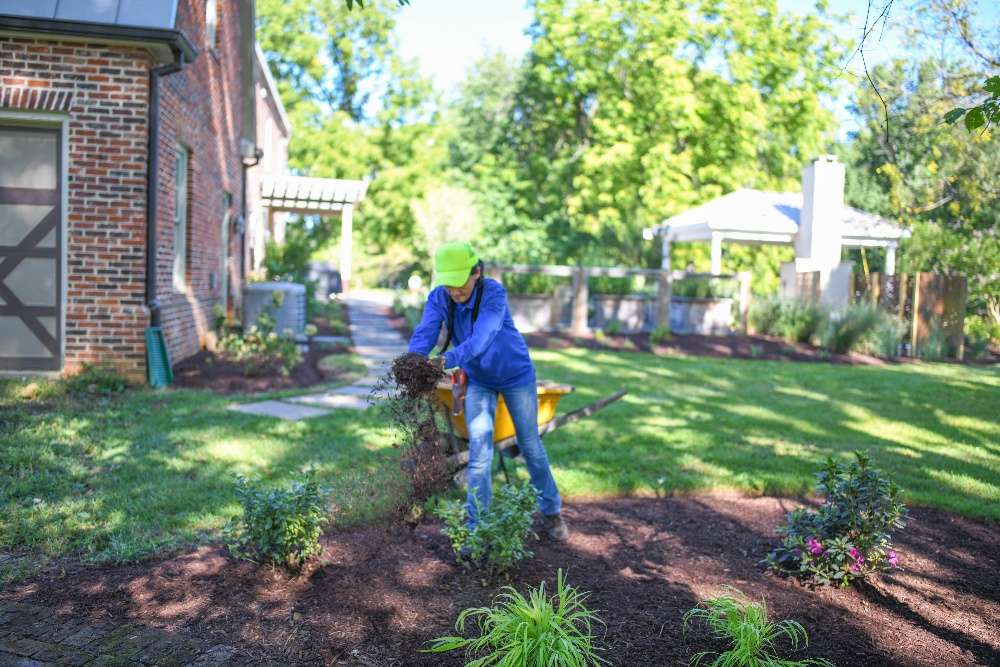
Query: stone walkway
{"points": [[375, 342], [33, 636]]}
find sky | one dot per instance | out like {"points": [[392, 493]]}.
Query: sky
{"points": [[447, 36]]}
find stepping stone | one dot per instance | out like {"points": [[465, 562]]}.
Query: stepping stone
{"points": [[330, 340], [353, 401], [286, 411]]}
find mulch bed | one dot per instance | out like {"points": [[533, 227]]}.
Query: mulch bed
{"points": [[207, 370], [379, 594], [694, 345]]}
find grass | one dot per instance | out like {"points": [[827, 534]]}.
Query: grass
{"points": [[766, 427], [117, 478]]}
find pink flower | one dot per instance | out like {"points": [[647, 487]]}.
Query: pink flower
{"points": [[854, 553], [893, 559], [855, 568], [815, 546]]}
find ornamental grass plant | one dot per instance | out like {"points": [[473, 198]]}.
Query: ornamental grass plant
{"points": [[752, 639], [519, 631]]}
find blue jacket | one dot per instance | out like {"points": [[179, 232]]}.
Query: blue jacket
{"points": [[493, 353]]}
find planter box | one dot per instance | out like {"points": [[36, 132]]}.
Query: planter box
{"points": [[632, 311], [533, 312], [710, 317]]}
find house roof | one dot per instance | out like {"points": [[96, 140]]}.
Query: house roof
{"points": [[769, 217], [300, 194], [132, 22], [137, 13], [272, 89]]}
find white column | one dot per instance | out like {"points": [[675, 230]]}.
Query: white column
{"points": [[346, 230], [665, 251], [716, 254], [890, 260]]}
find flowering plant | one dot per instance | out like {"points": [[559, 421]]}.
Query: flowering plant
{"points": [[849, 536]]}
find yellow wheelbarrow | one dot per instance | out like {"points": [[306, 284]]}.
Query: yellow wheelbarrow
{"points": [[504, 437]]}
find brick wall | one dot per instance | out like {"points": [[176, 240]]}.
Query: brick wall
{"points": [[103, 92], [201, 109]]}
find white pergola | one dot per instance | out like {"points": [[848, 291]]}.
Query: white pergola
{"points": [[317, 196], [755, 216]]}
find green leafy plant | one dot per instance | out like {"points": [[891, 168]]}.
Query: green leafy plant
{"points": [[980, 332], [660, 334], [799, 320], [519, 631], [849, 536], [756, 350], [884, 338], [706, 288], [753, 639], [261, 350], [764, 315], [600, 336], [96, 379], [614, 328], [982, 115], [278, 526], [218, 318], [935, 346], [845, 330], [498, 540]]}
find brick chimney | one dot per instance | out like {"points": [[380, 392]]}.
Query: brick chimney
{"points": [[818, 242]]}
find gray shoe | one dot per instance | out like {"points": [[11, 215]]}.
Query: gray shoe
{"points": [[556, 528]]}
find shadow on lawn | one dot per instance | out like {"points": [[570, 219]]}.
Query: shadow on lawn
{"points": [[753, 425]]}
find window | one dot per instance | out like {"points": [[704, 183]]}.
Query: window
{"points": [[181, 217], [211, 23]]}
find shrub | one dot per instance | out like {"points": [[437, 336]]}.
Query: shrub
{"points": [[498, 539], [935, 346], [706, 288], [261, 350], [96, 379], [535, 630], [845, 330], [979, 333], [410, 306], [752, 638], [849, 536], [884, 338], [218, 318], [799, 321], [660, 334], [764, 315], [614, 327], [278, 526]]}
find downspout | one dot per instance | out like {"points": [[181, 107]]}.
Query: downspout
{"points": [[247, 164], [153, 150]]}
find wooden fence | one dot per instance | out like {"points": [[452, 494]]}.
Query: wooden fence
{"points": [[925, 301]]}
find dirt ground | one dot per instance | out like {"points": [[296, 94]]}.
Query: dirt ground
{"points": [[379, 594]]}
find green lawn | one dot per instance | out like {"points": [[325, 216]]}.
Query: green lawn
{"points": [[112, 480]]}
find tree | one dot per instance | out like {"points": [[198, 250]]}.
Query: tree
{"points": [[359, 111], [628, 111]]}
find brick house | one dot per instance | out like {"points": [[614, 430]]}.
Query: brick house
{"points": [[115, 114]]}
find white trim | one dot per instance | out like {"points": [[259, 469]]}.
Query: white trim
{"points": [[51, 120], [272, 89]]}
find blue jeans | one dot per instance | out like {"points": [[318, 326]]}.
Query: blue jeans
{"points": [[480, 408]]}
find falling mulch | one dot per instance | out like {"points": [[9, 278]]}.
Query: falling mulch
{"points": [[379, 594], [407, 389], [208, 370]]}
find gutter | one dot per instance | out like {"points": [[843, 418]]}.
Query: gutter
{"points": [[165, 41], [153, 151]]}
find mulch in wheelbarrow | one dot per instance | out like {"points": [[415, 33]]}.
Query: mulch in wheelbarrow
{"points": [[379, 594]]}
